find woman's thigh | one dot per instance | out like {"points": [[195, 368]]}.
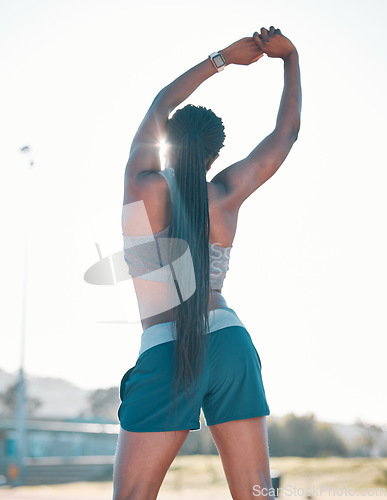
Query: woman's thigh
{"points": [[243, 449], [142, 461]]}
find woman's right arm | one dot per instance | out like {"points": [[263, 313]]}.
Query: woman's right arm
{"points": [[240, 180]]}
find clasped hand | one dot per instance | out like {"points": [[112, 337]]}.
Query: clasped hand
{"points": [[273, 43], [251, 49]]}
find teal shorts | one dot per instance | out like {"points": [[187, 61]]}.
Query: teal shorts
{"points": [[229, 388]]}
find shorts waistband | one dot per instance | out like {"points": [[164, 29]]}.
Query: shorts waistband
{"points": [[166, 332]]}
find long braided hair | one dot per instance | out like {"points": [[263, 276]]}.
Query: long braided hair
{"points": [[194, 136]]}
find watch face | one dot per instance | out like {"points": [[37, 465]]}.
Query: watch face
{"points": [[218, 60]]}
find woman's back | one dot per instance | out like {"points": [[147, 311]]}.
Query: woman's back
{"points": [[152, 292]]}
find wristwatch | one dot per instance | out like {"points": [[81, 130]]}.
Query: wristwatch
{"points": [[218, 61]]}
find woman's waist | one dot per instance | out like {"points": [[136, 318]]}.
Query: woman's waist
{"points": [[216, 301], [165, 332]]}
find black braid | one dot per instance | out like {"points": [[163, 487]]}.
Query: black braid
{"points": [[195, 135]]}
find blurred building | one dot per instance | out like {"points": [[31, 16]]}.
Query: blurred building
{"points": [[60, 451]]}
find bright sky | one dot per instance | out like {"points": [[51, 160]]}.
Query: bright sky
{"points": [[308, 271]]}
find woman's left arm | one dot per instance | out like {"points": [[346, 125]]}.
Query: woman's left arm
{"points": [[144, 153]]}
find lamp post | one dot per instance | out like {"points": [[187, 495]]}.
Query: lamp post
{"points": [[21, 392]]}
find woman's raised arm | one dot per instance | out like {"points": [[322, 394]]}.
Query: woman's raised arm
{"points": [[144, 154], [241, 179]]}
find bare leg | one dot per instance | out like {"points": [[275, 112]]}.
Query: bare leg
{"points": [[243, 449], [142, 461]]}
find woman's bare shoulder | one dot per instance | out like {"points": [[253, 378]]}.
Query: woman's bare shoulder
{"points": [[219, 198]]}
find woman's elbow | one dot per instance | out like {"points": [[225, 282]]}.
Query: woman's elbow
{"points": [[294, 131], [290, 131]]}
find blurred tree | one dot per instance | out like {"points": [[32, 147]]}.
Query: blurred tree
{"points": [[329, 442], [8, 401], [370, 441], [303, 437], [104, 403]]}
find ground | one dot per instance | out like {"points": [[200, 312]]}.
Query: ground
{"points": [[201, 477]]}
